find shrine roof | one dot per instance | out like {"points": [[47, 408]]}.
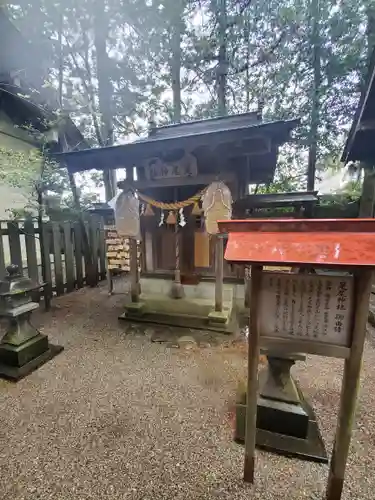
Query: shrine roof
{"points": [[23, 95], [360, 144], [318, 242], [276, 199], [193, 127], [212, 132]]}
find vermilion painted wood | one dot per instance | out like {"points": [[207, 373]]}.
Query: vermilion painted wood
{"points": [[298, 225], [276, 241]]}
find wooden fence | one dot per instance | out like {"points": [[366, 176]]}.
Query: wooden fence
{"points": [[61, 245]]}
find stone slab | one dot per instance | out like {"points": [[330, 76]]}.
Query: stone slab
{"points": [[189, 322], [183, 313], [15, 374], [295, 356], [282, 418], [22, 309], [312, 448], [18, 356], [218, 316], [135, 307]]}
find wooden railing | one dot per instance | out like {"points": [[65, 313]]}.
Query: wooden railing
{"points": [[54, 253]]}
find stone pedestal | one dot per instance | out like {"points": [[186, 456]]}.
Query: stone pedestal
{"points": [[279, 404], [286, 423]]}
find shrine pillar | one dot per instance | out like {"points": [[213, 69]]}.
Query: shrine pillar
{"points": [[177, 290], [217, 205], [134, 271]]}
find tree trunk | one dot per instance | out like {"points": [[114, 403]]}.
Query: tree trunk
{"points": [[105, 90], [175, 66], [86, 248], [315, 101], [247, 73], [222, 63], [175, 63], [370, 33]]}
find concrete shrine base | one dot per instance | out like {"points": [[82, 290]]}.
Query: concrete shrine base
{"points": [[186, 312], [195, 310]]}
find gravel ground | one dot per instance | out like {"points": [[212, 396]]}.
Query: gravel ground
{"points": [[116, 416]]}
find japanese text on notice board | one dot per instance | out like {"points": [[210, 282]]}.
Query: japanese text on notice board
{"points": [[307, 306]]}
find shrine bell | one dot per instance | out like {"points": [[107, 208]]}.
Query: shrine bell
{"points": [[323, 312]]}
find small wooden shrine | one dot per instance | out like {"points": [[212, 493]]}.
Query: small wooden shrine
{"points": [[179, 181]]}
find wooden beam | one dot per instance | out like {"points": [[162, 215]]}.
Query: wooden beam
{"points": [[178, 181], [305, 346], [252, 375], [349, 389], [367, 125], [219, 272], [134, 270], [366, 204]]}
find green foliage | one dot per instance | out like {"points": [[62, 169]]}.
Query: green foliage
{"points": [[341, 199], [269, 57], [34, 175], [20, 169]]}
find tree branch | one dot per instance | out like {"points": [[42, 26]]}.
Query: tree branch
{"points": [[86, 87], [263, 57], [245, 5]]}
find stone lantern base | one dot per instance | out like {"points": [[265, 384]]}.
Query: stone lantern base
{"points": [[23, 348]]}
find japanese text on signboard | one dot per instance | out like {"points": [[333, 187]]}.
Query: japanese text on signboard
{"points": [[117, 250], [310, 307]]}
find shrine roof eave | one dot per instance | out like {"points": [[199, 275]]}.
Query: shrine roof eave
{"points": [[120, 156], [327, 243], [360, 144], [275, 200]]}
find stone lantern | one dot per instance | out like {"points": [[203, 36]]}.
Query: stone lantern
{"points": [[23, 348]]}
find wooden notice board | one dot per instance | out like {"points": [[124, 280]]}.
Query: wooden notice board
{"points": [[307, 307], [317, 314], [117, 250]]}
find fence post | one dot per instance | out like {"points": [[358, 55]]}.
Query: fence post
{"points": [[78, 254], [57, 247], [102, 250], [32, 261], [46, 263], [2, 258], [15, 245], [69, 258], [93, 239]]}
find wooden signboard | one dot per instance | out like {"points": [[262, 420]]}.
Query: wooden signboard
{"points": [[117, 250], [307, 313], [186, 166], [306, 307]]}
